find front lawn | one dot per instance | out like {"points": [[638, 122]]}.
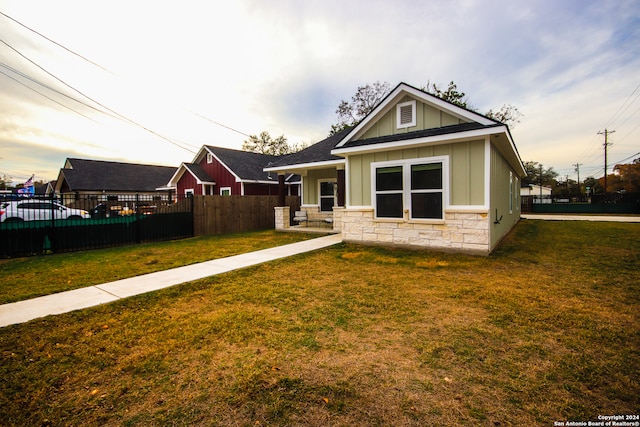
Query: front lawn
{"points": [[30, 277], [544, 330]]}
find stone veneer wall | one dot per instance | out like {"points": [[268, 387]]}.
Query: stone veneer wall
{"points": [[282, 217], [463, 231]]}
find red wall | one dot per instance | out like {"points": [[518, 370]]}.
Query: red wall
{"points": [[223, 178]]}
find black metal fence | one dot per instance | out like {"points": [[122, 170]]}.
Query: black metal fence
{"points": [[31, 226]]}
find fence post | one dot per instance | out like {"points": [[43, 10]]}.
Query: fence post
{"points": [[137, 221]]}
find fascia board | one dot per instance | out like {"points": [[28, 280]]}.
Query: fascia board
{"points": [[177, 175], [200, 153], [312, 165], [432, 100], [438, 139], [522, 170]]}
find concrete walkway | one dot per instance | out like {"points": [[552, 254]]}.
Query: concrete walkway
{"points": [[567, 217], [63, 302]]}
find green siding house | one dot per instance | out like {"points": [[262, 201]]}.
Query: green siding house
{"points": [[417, 171]]}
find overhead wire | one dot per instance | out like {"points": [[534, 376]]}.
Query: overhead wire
{"points": [[54, 42], [128, 120], [105, 69]]}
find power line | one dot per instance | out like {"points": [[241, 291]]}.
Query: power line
{"points": [[49, 98], [625, 108], [54, 42], [219, 124], [107, 70], [98, 103]]}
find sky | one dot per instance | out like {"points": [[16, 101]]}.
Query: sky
{"points": [[152, 81]]}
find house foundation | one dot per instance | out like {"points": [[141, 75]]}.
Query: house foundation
{"points": [[460, 231]]}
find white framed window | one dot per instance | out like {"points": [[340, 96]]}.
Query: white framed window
{"points": [[327, 194], [406, 114], [209, 158], [416, 186], [510, 192], [225, 191], [189, 192]]}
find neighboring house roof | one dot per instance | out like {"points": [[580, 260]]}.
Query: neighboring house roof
{"points": [[319, 152], [197, 171], [99, 175], [245, 165]]}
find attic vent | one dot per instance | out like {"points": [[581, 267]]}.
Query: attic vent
{"points": [[406, 114]]}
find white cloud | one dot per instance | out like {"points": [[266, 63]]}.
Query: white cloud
{"points": [[283, 66]]}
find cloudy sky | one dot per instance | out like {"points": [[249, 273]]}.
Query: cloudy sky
{"points": [[158, 79]]}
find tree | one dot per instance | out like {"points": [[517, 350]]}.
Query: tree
{"points": [[5, 182], [508, 114], [362, 102], [265, 144], [624, 177], [534, 169], [368, 96], [593, 185], [451, 94]]}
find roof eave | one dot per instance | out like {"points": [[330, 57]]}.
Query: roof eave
{"points": [[306, 166]]}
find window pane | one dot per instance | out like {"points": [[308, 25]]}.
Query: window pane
{"points": [[389, 205], [326, 204], [426, 177], [326, 188], [389, 178], [426, 205]]}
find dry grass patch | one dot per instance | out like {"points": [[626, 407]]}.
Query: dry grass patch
{"points": [[329, 338], [22, 278]]}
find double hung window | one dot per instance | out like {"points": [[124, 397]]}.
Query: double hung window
{"points": [[327, 195], [417, 186]]}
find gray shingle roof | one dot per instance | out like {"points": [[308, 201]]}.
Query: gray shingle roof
{"points": [[445, 130], [197, 171], [246, 165], [98, 175], [318, 152]]}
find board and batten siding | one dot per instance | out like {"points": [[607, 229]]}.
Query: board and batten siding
{"points": [[310, 184], [427, 117], [502, 217], [466, 171]]}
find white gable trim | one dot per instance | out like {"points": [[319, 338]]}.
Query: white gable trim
{"points": [[177, 175], [173, 182], [312, 165], [397, 94], [236, 177]]}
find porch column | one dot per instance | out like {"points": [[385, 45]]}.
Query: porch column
{"points": [[341, 187], [281, 190]]}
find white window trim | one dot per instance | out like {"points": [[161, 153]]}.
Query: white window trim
{"points": [[189, 191], [511, 192], [223, 189], [209, 158], [399, 123], [320, 181], [406, 192]]}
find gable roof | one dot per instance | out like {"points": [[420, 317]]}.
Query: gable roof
{"points": [[99, 175], [245, 165], [399, 92]]}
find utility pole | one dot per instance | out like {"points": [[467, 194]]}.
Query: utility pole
{"points": [[606, 144], [577, 165]]}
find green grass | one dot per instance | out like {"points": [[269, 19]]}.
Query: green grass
{"points": [[544, 330], [24, 278]]}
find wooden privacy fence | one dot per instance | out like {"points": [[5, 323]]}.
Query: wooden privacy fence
{"points": [[235, 214]]}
